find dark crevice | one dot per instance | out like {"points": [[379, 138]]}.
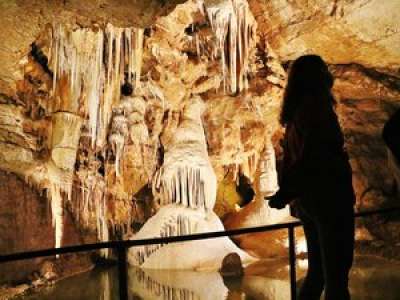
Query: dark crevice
{"points": [[389, 81], [245, 190], [41, 58], [194, 28]]}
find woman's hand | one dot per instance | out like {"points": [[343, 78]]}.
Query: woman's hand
{"points": [[276, 202]]}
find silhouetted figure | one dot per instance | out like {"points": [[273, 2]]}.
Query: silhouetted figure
{"points": [[391, 135], [316, 178]]}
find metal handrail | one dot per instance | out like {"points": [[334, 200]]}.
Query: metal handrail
{"points": [[122, 246]]}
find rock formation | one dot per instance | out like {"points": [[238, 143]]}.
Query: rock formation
{"points": [[103, 161], [185, 188]]}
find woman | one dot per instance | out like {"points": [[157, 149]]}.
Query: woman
{"points": [[391, 137], [316, 178]]}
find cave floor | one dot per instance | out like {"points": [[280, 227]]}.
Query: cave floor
{"points": [[371, 278]]}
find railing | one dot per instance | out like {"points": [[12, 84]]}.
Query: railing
{"points": [[122, 246]]}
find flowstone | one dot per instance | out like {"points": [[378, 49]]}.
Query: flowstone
{"points": [[185, 187]]}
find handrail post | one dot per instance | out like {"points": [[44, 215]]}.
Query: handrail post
{"points": [[292, 260], [122, 273]]}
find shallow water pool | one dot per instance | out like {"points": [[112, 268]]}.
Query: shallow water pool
{"points": [[371, 279]]}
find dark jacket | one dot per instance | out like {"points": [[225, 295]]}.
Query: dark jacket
{"points": [[316, 170], [391, 134]]}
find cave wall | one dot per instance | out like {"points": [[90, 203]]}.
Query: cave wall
{"points": [[25, 225], [343, 32], [366, 100], [365, 104], [46, 136]]}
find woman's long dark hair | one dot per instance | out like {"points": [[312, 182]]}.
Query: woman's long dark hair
{"points": [[308, 88]]}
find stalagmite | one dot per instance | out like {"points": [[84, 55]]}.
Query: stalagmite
{"points": [[57, 213], [59, 184], [257, 212], [185, 186], [187, 177], [173, 220]]}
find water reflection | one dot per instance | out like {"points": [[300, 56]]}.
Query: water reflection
{"points": [[99, 284], [179, 285], [371, 278]]}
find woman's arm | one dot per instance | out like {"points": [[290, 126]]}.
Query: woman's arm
{"points": [[322, 144], [391, 134]]}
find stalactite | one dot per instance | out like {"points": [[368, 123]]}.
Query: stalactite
{"points": [[230, 21], [92, 204], [57, 213], [94, 65], [268, 176], [137, 54], [101, 222], [89, 68], [59, 184], [77, 57], [220, 17], [189, 186], [246, 165]]}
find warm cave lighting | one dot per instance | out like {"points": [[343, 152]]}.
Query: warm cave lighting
{"points": [[301, 245], [132, 120]]}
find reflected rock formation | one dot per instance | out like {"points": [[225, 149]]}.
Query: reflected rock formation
{"points": [[179, 285], [190, 285]]}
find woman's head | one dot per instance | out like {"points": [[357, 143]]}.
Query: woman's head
{"points": [[309, 85]]}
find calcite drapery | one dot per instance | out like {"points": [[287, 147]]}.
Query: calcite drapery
{"points": [[232, 23], [93, 64], [88, 68]]}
